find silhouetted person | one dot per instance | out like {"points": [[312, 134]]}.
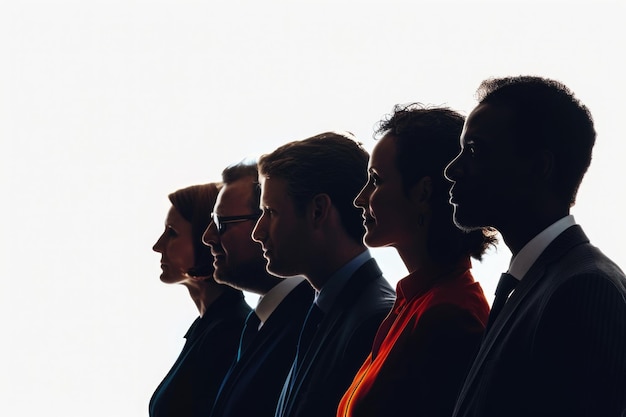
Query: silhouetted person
{"points": [[423, 349], [557, 346], [190, 387], [268, 342], [309, 226]]}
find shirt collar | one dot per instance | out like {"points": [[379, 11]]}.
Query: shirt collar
{"points": [[521, 263], [272, 299], [326, 297], [423, 279]]}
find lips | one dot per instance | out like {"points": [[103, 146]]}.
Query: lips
{"points": [[368, 220], [456, 195]]}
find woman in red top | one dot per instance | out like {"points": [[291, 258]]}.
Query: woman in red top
{"points": [[423, 349]]}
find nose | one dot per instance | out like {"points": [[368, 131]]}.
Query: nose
{"points": [[362, 199], [158, 246], [210, 236], [259, 233], [453, 171]]}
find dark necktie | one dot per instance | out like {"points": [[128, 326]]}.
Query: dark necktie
{"points": [[313, 319], [506, 284], [249, 331]]}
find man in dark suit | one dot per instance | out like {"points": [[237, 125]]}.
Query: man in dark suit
{"points": [[309, 226], [555, 344], [268, 343]]}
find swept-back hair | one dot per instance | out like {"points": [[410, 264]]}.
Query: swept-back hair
{"points": [[329, 163]]}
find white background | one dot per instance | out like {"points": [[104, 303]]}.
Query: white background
{"points": [[108, 106]]}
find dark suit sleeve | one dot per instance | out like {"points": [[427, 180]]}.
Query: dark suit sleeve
{"points": [[580, 350], [442, 346]]}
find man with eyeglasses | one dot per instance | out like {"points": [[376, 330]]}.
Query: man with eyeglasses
{"points": [[269, 339]]}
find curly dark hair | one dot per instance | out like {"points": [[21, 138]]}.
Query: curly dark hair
{"points": [[427, 139], [547, 116]]}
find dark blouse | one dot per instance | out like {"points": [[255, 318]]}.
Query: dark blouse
{"points": [[190, 387]]}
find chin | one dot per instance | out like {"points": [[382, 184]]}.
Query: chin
{"points": [[220, 277], [280, 270], [167, 279], [373, 241], [464, 222]]}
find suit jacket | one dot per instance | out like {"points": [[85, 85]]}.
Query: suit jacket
{"points": [[190, 387], [253, 384], [339, 347], [558, 347]]}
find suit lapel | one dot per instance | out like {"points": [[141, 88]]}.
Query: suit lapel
{"points": [[278, 320], [571, 237], [332, 321]]}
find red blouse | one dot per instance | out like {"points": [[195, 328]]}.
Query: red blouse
{"points": [[423, 349]]}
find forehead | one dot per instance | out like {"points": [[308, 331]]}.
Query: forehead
{"points": [[274, 190], [384, 153], [235, 196], [487, 122], [175, 218]]}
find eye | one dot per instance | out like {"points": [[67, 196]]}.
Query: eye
{"points": [[374, 179], [268, 211], [171, 232]]}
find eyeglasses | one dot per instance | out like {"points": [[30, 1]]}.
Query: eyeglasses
{"points": [[222, 221]]}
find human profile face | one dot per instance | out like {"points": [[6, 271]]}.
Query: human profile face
{"points": [[176, 248], [490, 175], [237, 259], [389, 217], [282, 231]]}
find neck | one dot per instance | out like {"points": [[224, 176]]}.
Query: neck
{"points": [[204, 293], [263, 283], [524, 228], [334, 259], [415, 255]]}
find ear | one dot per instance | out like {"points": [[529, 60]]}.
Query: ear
{"points": [[543, 166], [320, 207], [422, 191]]}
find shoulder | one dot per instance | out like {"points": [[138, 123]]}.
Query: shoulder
{"points": [[448, 319], [583, 273]]}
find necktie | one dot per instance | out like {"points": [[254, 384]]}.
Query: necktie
{"points": [[506, 284], [250, 330], [313, 319]]}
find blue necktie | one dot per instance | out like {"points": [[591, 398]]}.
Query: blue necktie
{"points": [[250, 330], [313, 319]]}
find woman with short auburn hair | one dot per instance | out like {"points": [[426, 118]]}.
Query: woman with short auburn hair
{"points": [[190, 387]]}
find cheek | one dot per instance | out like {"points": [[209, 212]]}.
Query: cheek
{"points": [[379, 205], [181, 255]]}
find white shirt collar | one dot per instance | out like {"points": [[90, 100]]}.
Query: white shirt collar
{"points": [[521, 263], [268, 303]]}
